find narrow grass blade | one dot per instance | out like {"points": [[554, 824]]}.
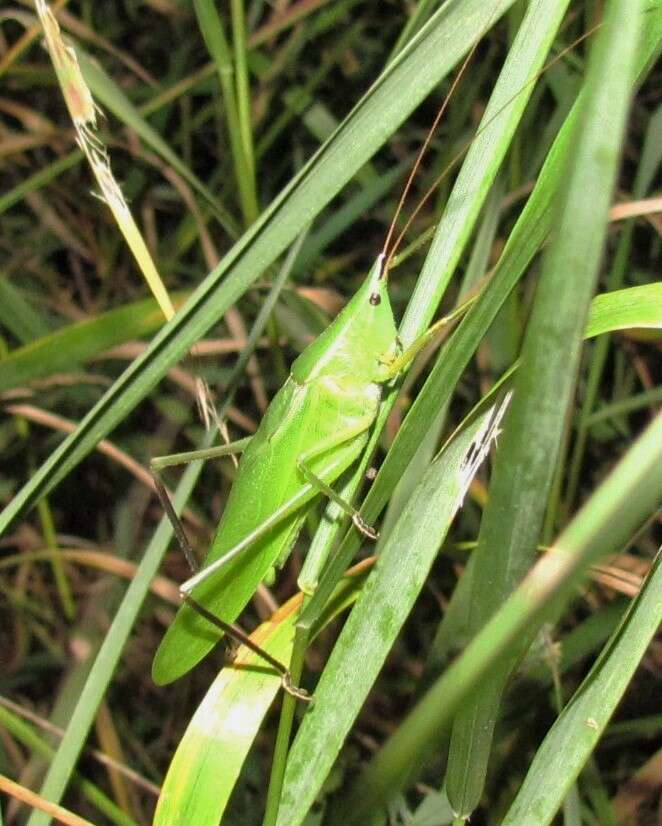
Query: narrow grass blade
{"points": [[243, 98], [626, 309], [617, 509], [498, 124], [545, 381], [436, 48], [571, 740], [377, 619], [213, 31], [60, 770], [76, 343], [525, 240]]}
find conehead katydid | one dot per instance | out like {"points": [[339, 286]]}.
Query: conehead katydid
{"points": [[314, 429]]}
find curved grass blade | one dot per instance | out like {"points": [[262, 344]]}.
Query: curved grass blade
{"points": [[408, 79], [573, 737], [608, 520], [545, 382], [631, 308], [403, 566]]}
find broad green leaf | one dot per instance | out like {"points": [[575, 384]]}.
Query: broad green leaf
{"points": [[210, 755], [616, 511], [573, 737], [625, 309], [206, 765], [74, 344], [545, 381], [403, 565]]}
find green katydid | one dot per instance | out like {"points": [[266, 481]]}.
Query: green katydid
{"points": [[314, 429]]}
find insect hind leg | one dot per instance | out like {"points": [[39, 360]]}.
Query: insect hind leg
{"points": [[230, 629]]}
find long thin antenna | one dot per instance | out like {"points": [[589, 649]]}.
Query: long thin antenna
{"points": [[461, 152], [422, 151]]}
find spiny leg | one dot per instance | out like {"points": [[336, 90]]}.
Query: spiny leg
{"points": [[230, 629]]}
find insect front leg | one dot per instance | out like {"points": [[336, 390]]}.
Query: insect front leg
{"points": [[394, 366], [303, 464]]}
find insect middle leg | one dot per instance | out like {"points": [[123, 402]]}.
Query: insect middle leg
{"points": [[159, 462], [294, 503], [312, 478]]}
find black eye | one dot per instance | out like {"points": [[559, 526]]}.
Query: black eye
{"points": [[375, 299]]}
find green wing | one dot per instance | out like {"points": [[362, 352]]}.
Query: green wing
{"points": [[300, 417]]}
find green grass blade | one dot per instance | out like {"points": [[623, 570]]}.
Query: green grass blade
{"points": [[82, 718], [39, 180], [649, 398], [420, 66], [76, 343], [19, 316], [617, 509], [213, 32], [499, 122], [243, 98], [404, 563], [631, 308], [572, 738], [545, 381]]}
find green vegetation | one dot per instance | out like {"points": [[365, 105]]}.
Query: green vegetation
{"points": [[494, 661]]}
